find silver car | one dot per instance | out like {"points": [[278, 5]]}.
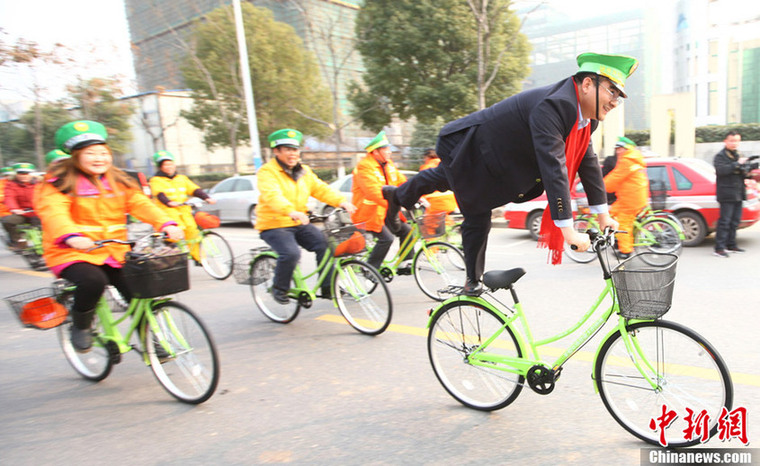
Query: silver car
{"points": [[236, 199]]}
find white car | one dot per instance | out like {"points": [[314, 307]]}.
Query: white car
{"points": [[236, 199], [343, 184]]}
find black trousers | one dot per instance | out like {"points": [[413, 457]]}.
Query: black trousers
{"points": [[91, 281]]}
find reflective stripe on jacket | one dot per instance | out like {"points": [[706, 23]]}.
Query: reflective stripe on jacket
{"points": [[97, 215], [280, 194], [369, 178]]}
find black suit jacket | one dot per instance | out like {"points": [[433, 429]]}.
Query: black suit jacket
{"points": [[515, 149]]}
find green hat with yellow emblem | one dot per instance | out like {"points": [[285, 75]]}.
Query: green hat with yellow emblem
{"points": [[381, 140], [286, 137], [24, 167], [55, 155], [6, 170], [79, 134], [161, 156], [625, 142], [616, 68]]}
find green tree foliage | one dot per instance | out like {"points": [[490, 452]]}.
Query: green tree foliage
{"points": [[287, 86], [97, 99], [422, 56]]}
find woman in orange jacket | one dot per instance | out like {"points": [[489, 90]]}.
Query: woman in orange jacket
{"points": [[86, 199], [629, 181], [371, 174]]}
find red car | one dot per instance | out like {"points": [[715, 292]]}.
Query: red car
{"points": [[690, 187]]}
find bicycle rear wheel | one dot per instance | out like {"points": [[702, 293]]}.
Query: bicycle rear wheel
{"points": [[262, 281], [94, 365], [689, 373], [437, 266], [658, 236], [189, 370], [581, 225], [457, 330], [216, 255], [362, 297]]}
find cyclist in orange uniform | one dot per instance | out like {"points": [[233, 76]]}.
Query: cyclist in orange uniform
{"points": [[170, 190], [373, 172], [629, 181], [51, 158], [86, 199], [439, 201]]}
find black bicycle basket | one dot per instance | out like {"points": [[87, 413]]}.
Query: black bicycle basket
{"points": [[153, 275]]}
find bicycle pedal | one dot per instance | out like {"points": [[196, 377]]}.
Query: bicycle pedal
{"points": [[406, 270]]}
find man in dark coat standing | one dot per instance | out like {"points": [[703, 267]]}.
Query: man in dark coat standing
{"points": [[514, 150], [730, 192]]}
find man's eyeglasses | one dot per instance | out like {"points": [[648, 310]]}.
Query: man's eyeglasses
{"points": [[617, 96]]}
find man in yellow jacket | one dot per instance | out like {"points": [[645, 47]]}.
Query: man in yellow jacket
{"points": [[373, 172], [170, 190], [629, 181], [284, 188]]}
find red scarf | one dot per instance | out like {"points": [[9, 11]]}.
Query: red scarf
{"points": [[576, 146]]}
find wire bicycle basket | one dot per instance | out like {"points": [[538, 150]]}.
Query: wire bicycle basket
{"points": [[38, 308], [432, 225], [343, 236], [645, 291]]}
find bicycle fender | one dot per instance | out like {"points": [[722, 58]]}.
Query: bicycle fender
{"points": [[601, 343], [470, 299]]}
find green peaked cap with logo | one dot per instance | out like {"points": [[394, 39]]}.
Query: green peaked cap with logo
{"points": [[55, 155], [381, 140], [616, 68], [78, 134], [625, 142], [24, 167], [162, 155], [6, 170], [286, 137]]}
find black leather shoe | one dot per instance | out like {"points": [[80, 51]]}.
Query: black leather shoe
{"points": [[81, 339], [280, 296], [472, 288]]}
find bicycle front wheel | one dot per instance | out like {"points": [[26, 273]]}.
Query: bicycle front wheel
{"points": [[458, 330], [687, 373], [437, 266], [182, 354], [362, 297], [581, 225], [658, 236], [262, 281], [216, 255], [94, 365]]}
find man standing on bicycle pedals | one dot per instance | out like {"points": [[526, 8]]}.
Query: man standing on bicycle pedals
{"points": [[629, 181], [85, 199], [512, 151], [19, 195], [373, 172], [170, 191], [284, 189]]}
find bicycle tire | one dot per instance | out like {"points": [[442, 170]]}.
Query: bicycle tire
{"points": [[191, 374], [216, 255], [96, 364], [362, 297], [262, 281], [457, 329], [659, 236], [697, 378], [581, 225], [437, 266]]}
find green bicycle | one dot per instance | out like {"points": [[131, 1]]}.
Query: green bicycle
{"points": [[170, 338], [653, 231], [358, 290], [482, 350], [436, 265]]}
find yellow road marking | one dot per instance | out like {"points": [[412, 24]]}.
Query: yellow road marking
{"points": [[587, 356], [33, 273]]}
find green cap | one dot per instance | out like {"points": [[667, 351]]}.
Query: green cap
{"points": [[6, 170], [625, 142], [616, 68], [162, 155], [79, 134], [286, 137], [55, 155], [379, 141], [24, 167]]}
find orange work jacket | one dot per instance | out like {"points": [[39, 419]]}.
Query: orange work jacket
{"points": [[629, 181], [4, 211], [369, 178], [439, 201]]}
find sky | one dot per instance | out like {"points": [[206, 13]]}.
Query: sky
{"points": [[95, 30]]}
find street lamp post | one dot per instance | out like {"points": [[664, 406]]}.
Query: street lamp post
{"points": [[247, 87]]}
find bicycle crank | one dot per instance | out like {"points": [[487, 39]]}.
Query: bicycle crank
{"points": [[304, 300], [541, 379], [387, 274]]}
